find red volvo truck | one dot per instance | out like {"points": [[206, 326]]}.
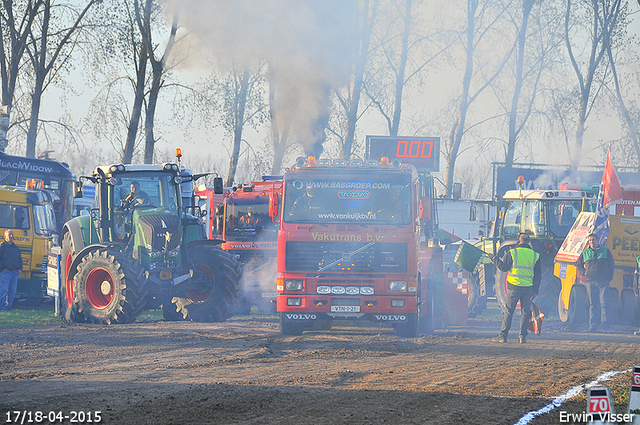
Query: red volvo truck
{"points": [[356, 239], [250, 236]]}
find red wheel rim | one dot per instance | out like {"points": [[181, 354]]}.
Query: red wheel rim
{"points": [[197, 296], [99, 288], [68, 283]]}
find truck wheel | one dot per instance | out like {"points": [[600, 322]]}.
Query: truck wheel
{"points": [[290, 328], [409, 329], [108, 288], [476, 304], [562, 311], [628, 310], [613, 306], [212, 301], [68, 305], [578, 305]]}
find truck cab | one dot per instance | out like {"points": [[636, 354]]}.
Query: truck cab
{"points": [[29, 213]]}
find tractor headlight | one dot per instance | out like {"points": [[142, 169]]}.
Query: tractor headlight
{"points": [[397, 286], [294, 285]]}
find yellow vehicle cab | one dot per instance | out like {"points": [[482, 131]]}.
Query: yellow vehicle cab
{"points": [[29, 213]]}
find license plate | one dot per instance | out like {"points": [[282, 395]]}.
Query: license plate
{"points": [[345, 309], [269, 295]]}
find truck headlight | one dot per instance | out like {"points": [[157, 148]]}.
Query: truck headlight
{"points": [[366, 290], [324, 290], [397, 286], [353, 290], [294, 285]]}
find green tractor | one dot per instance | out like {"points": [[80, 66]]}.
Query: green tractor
{"points": [[138, 249]]}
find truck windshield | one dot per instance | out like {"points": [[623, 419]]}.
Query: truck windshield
{"points": [[249, 221], [327, 199], [44, 220]]}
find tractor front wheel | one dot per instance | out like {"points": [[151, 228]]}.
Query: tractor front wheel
{"points": [[108, 288]]}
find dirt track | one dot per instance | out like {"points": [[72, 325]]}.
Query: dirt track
{"points": [[244, 371]]}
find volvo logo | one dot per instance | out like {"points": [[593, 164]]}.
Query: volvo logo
{"points": [[391, 317], [301, 316]]}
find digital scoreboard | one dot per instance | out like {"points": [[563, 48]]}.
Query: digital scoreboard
{"points": [[421, 152]]}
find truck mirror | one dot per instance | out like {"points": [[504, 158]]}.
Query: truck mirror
{"points": [[473, 213], [273, 205], [457, 191], [218, 188], [77, 190]]}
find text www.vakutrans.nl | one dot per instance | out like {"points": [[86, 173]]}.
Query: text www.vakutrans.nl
{"points": [[347, 216]]}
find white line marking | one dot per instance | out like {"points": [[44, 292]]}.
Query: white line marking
{"points": [[557, 402]]}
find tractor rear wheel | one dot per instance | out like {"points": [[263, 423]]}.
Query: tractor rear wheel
{"points": [[213, 301], [109, 287], [68, 305]]}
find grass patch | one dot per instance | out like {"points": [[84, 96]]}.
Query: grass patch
{"points": [[35, 316]]}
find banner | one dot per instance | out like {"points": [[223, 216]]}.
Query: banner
{"points": [[610, 192]]}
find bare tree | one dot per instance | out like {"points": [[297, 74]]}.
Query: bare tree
{"points": [[474, 33], [601, 18], [49, 47], [405, 50], [617, 43], [16, 19], [349, 99], [159, 68]]}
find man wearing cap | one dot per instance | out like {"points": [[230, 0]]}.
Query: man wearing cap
{"points": [[523, 281], [596, 265]]}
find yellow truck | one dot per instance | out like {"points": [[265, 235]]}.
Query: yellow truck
{"points": [[624, 243], [29, 213]]}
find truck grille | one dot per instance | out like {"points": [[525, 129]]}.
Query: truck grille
{"points": [[346, 257]]}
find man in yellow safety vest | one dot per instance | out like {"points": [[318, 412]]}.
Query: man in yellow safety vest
{"points": [[523, 281]]}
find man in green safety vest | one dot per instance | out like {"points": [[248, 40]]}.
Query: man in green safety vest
{"points": [[596, 265], [523, 281]]}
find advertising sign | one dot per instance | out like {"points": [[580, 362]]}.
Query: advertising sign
{"points": [[576, 238], [624, 239]]}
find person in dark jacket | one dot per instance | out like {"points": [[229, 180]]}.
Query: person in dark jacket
{"points": [[595, 264], [523, 281], [10, 269]]}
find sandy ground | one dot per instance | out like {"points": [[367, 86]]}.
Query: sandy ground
{"points": [[244, 372]]}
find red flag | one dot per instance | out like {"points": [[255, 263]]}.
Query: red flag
{"points": [[610, 184]]}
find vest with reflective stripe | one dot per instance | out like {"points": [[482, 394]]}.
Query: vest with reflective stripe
{"points": [[521, 273]]}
